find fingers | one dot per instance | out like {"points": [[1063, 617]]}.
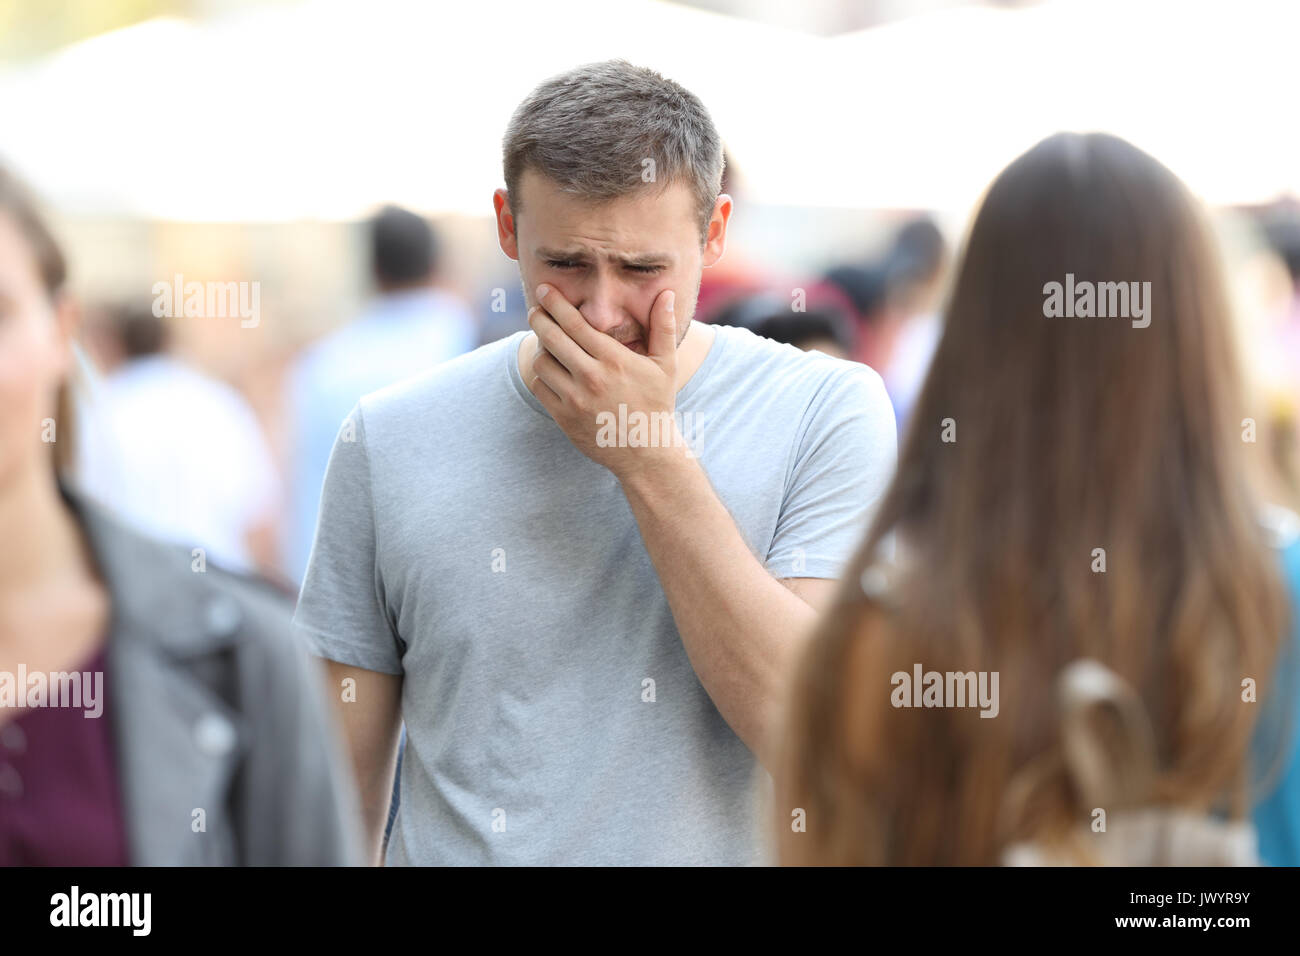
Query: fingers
{"points": [[553, 339], [551, 375], [545, 394], [578, 329], [662, 342]]}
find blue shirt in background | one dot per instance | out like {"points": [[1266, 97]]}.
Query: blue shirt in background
{"points": [[1277, 817], [399, 335]]}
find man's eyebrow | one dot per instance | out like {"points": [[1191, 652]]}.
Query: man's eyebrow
{"points": [[631, 259], [561, 253], [645, 259]]}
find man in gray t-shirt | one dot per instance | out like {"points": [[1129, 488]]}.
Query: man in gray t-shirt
{"points": [[580, 562]]}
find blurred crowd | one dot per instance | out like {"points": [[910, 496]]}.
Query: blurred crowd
{"points": [[973, 556], [187, 457]]}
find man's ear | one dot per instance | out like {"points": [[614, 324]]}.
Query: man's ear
{"points": [[716, 241], [506, 234]]}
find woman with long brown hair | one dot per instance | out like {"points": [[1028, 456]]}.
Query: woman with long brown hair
{"points": [[1071, 528]]}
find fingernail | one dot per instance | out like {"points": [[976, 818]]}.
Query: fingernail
{"points": [[542, 290], [672, 299]]}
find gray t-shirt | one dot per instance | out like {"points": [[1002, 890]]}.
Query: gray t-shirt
{"points": [[552, 714]]}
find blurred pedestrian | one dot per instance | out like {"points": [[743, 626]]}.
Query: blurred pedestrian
{"points": [[182, 456], [187, 726], [411, 325]]}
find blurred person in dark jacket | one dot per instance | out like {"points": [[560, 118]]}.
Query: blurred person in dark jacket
{"points": [[153, 710]]}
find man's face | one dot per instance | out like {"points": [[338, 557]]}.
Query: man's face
{"points": [[610, 260]]}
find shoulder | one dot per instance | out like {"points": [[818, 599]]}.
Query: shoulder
{"points": [[451, 306], [832, 405], [265, 605], [448, 384], [170, 599], [789, 368]]}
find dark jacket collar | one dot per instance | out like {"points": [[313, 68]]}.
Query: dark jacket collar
{"points": [[157, 595], [177, 742]]}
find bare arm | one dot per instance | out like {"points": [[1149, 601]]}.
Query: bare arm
{"points": [[741, 627], [370, 715]]}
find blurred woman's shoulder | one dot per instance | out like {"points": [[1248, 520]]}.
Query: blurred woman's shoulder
{"points": [[212, 692], [175, 592]]}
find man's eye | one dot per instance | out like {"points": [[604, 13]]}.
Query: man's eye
{"points": [[562, 263], [646, 270]]}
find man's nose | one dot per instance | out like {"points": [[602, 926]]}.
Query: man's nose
{"points": [[600, 306]]}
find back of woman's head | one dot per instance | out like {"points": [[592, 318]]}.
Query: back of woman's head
{"points": [[1070, 489]]}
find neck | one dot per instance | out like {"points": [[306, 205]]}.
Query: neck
{"points": [[41, 537]]}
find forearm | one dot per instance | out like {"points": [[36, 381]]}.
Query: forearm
{"points": [[370, 717], [741, 628], [376, 800]]}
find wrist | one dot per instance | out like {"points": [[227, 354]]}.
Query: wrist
{"points": [[645, 471]]}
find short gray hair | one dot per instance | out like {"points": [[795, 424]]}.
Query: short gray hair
{"points": [[590, 131]]}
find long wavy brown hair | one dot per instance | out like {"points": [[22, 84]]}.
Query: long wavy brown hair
{"points": [[1037, 441]]}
